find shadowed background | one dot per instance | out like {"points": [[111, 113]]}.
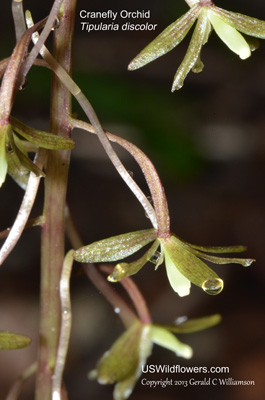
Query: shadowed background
{"points": [[207, 142]]}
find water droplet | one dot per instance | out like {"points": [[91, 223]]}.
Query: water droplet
{"points": [[56, 24], [23, 85], [150, 199], [155, 258], [65, 312], [9, 148], [213, 286], [181, 319], [117, 310], [248, 262]]}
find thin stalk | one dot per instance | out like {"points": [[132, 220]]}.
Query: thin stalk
{"points": [[43, 36], [18, 17], [52, 246], [66, 323], [5, 61], [84, 103], [150, 173], [38, 221], [135, 295], [16, 389], [125, 312], [24, 211], [10, 82]]}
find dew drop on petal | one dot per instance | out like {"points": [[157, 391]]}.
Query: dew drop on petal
{"points": [[23, 85], [248, 262], [56, 24], [155, 257], [181, 319], [117, 310], [213, 286]]}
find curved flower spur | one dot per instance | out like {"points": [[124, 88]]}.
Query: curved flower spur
{"points": [[226, 24]]}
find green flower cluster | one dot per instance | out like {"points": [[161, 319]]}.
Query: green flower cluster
{"points": [[183, 260], [122, 364], [16, 139], [226, 24]]}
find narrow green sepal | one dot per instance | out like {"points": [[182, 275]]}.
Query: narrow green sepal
{"points": [[245, 262], [195, 324], [116, 247], [201, 251], [193, 53], [218, 249], [13, 341], [40, 138], [16, 170], [122, 270], [167, 40], [23, 159]]}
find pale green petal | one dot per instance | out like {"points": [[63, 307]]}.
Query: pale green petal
{"points": [[167, 40], [179, 282], [230, 36], [3, 159], [247, 25], [183, 259], [166, 339]]}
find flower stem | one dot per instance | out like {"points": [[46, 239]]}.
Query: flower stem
{"points": [[88, 109], [23, 214], [150, 173], [10, 82], [16, 389], [125, 312], [18, 17], [52, 247], [135, 295], [66, 323]]}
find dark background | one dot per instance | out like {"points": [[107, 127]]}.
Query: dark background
{"points": [[207, 142]]}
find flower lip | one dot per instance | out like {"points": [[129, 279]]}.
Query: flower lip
{"points": [[230, 36]]}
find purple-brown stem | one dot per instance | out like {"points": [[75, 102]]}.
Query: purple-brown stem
{"points": [[52, 246]]}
